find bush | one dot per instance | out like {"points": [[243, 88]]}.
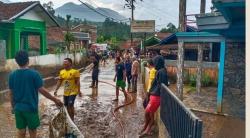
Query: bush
{"points": [[192, 80], [205, 80]]}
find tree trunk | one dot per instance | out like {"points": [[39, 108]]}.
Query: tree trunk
{"points": [[199, 68], [180, 66], [180, 62]]}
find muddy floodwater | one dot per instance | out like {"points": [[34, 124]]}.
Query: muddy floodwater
{"points": [[94, 110]]}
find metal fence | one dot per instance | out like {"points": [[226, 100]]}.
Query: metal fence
{"points": [[178, 119]]}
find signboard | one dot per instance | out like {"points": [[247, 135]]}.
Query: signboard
{"points": [[101, 47], [143, 26]]}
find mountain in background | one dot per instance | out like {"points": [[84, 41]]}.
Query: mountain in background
{"points": [[5, 1], [83, 12]]}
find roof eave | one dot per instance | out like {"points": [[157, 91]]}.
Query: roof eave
{"points": [[31, 7], [23, 12]]}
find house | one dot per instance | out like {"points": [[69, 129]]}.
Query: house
{"points": [[86, 28], [82, 40], [226, 27], [156, 39], [127, 44], [170, 43], [20, 20], [55, 39]]}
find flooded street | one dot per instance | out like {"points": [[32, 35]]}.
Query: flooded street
{"points": [[94, 110]]}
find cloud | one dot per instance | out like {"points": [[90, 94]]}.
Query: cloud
{"points": [[163, 11], [111, 4]]}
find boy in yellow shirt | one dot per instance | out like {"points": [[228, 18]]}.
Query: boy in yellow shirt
{"points": [[152, 73], [71, 79]]}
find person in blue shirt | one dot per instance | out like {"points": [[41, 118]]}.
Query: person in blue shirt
{"points": [[128, 67], [24, 85], [120, 78]]}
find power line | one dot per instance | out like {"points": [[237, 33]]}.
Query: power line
{"points": [[159, 11], [103, 14]]}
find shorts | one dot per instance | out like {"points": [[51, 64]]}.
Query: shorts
{"points": [[69, 100], [120, 83], [154, 103], [27, 119], [95, 78]]}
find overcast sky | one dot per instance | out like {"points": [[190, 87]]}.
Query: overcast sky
{"points": [[163, 11]]}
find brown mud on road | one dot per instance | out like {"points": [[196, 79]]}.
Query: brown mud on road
{"points": [[94, 110]]}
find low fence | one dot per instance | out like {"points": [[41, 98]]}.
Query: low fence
{"points": [[210, 69], [190, 68], [46, 65], [178, 119], [44, 60]]}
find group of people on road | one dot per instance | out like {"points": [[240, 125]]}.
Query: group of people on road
{"points": [[25, 83], [126, 70]]}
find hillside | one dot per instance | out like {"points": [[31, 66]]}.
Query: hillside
{"points": [[83, 12]]}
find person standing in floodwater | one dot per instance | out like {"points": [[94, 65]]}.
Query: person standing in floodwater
{"points": [[71, 79], [120, 77], [135, 72], [24, 85], [128, 66], [95, 74]]}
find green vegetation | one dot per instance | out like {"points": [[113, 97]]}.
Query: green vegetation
{"points": [[170, 29], [206, 80]]}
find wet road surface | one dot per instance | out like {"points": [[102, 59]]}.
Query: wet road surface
{"points": [[94, 110]]}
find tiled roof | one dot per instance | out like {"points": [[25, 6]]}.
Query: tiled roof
{"points": [[127, 44], [162, 35], [8, 10]]}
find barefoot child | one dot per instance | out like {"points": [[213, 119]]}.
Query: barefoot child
{"points": [[120, 77]]}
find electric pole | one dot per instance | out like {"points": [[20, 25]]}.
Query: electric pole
{"points": [[130, 4], [180, 61], [132, 19], [203, 6], [200, 54]]}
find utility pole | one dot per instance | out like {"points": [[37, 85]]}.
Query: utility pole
{"points": [[130, 4], [180, 61], [203, 6], [132, 19], [132, 9], [200, 54]]}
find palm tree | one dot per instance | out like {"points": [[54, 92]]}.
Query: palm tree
{"points": [[68, 36]]}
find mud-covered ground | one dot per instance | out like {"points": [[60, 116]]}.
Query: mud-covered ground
{"points": [[94, 110]]}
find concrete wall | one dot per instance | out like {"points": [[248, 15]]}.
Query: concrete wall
{"points": [[162, 131], [47, 65], [234, 80], [2, 52]]}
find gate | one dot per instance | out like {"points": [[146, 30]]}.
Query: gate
{"points": [[178, 119]]}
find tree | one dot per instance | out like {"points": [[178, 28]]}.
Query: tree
{"points": [[170, 29], [100, 39], [67, 22], [114, 43], [68, 36], [49, 7], [164, 30]]}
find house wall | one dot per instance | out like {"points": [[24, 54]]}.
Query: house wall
{"points": [[234, 80], [47, 65], [10, 32], [32, 15]]}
